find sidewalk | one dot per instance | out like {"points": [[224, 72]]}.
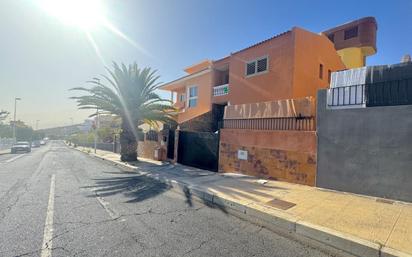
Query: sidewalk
{"points": [[360, 225]]}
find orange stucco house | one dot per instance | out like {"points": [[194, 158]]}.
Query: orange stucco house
{"points": [[293, 64], [262, 98]]}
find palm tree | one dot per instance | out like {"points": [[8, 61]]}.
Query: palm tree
{"points": [[3, 115], [129, 94]]}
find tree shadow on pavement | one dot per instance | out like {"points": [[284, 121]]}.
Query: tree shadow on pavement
{"points": [[189, 201], [139, 187], [135, 187]]}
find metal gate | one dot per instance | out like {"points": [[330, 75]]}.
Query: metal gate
{"points": [[199, 149], [171, 144]]}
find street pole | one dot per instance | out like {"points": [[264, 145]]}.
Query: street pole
{"points": [[95, 131], [97, 123], [14, 121]]}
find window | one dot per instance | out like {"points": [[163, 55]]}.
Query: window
{"points": [[257, 66], [262, 65], [329, 75], [331, 37], [251, 68], [192, 96], [351, 33], [321, 71], [182, 97]]}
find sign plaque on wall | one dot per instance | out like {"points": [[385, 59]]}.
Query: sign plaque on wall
{"points": [[242, 154]]}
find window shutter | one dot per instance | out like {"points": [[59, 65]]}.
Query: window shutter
{"points": [[251, 68], [262, 65]]}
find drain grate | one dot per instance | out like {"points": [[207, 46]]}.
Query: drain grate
{"points": [[280, 204]]}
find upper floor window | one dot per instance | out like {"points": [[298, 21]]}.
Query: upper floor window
{"points": [[329, 76], [251, 68], [351, 33], [321, 71], [257, 66], [192, 96]]}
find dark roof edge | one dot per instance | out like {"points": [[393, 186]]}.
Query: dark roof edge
{"points": [[351, 23]]}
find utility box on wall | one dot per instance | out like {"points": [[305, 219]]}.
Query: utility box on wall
{"points": [[242, 155]]}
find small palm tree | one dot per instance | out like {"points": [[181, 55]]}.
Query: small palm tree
{"points": [[130, 94]]}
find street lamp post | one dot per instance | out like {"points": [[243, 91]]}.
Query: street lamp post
{"points": [[96, 123], [96, 130], [14, 121]]}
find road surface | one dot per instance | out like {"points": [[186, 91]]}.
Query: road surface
{"points": [[56, 201]]}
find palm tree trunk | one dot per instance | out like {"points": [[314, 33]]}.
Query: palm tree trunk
{"points": [[128, 143]]}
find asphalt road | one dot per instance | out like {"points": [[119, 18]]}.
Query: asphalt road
{"points": [[56, 201]]}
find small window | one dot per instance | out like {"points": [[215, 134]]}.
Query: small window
{"points": [[331, 37], [321, 71], [251, 68], [192, 96], [351, 33], [329, 75], [262, 65], [257, 66]]}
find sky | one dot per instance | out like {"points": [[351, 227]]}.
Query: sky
{"points": [[42, 57]]}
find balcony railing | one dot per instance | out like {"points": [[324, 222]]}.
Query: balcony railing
{"points": [[221, 90], [385, 93], [350, 96]]}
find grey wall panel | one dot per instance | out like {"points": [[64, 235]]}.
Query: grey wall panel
{"points": [[366, 150]]}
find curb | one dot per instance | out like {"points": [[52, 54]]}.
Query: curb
{"points": [[282, 223]]}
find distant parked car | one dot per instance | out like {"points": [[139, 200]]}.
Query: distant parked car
{"points": [[35, 143], [21, 147], [42, 142]]}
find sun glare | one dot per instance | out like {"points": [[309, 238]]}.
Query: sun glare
{"points": [[85, 14]]}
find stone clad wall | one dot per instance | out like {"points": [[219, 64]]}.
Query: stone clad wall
{"points": [[282, 155], [146, 149]]}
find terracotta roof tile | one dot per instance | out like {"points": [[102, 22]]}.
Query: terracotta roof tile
{"points": [[262, 42]]}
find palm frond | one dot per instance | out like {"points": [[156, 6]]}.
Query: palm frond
{"points": [[129, 92]]}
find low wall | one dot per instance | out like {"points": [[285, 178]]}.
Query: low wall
{"points": [[282, 155], [365, 150], [146, 149], [102, 146]]}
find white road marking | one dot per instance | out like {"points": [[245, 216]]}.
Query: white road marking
{"points": [[14, 158], [46, 249], [112, 213]]}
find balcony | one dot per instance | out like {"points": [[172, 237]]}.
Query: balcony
{"points": [[221, 90]]}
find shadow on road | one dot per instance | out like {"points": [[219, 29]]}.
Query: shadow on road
{"points": [[136, 188]]}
